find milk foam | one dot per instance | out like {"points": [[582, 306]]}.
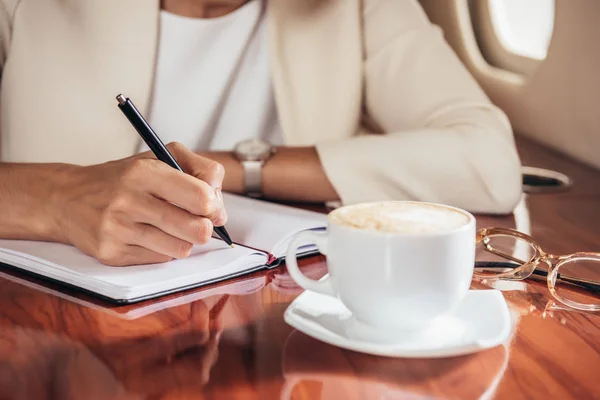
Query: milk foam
{"points": [[400, 217]]}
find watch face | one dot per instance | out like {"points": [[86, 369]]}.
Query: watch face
{"points": [[253, 150]]}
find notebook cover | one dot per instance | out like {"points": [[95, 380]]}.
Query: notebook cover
{"points": [[273, 263], [136, 299]]}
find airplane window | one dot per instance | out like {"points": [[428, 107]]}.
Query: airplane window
{"points": [[523, 27]]}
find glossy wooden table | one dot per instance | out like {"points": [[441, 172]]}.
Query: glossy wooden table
{"points": [[230, 341]]}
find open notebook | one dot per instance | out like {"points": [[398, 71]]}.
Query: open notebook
{"points": [[261, 231]]}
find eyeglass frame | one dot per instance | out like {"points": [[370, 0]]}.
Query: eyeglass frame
{"points": [[524, 269]]}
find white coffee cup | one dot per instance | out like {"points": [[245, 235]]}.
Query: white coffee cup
{"points": [[397, 266]]}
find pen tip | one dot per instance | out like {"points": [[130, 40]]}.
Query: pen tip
{"points": [[231, 245], [121, 99]]}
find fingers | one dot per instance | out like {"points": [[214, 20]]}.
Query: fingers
{"points": [[200, 167], [172, 220], [125, 255], [142, 220], [206, 170], [154, 239], [160, 180], [221, 217]]}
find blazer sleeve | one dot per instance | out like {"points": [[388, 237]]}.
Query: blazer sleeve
{"points": [[439, 138], [7, 10]]}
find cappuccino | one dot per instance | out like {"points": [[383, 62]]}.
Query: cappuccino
{"points": [[400, 217], [401, 282]]}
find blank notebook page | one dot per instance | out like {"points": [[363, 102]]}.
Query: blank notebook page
{"points": [[67, 264], [268, 226]]}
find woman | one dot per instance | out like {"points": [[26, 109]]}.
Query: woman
{"points": [[362, 100]]}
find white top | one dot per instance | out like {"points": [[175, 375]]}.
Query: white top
{"points": [[212, 84]]}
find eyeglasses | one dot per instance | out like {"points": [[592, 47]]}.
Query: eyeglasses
{"points": [[573, 279]]}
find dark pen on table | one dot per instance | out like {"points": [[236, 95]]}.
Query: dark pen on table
{"points": [[157, 146]]}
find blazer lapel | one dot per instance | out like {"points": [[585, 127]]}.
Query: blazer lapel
{"points": [[316, 62]]}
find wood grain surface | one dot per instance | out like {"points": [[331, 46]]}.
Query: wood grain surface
{"points": [[229, 341]]}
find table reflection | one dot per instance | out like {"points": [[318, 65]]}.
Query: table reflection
{"points": [[37, 364], [312, 369]]}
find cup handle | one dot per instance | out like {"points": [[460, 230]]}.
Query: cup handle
{"points": [[320, 239]]}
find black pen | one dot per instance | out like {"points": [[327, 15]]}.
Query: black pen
{"points": [[157, 146]]}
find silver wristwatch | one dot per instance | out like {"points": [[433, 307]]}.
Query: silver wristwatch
{"points": [[253, 153]]}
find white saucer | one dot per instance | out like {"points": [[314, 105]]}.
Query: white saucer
{"points": [[482, 321]]}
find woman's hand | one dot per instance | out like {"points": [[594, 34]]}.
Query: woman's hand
{"points": [[139, 210]]}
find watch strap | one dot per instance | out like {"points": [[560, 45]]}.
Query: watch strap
{"points": [[253, 178]]}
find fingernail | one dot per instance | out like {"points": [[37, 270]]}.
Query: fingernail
{"points": [[223, 214], [219, 196]]}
